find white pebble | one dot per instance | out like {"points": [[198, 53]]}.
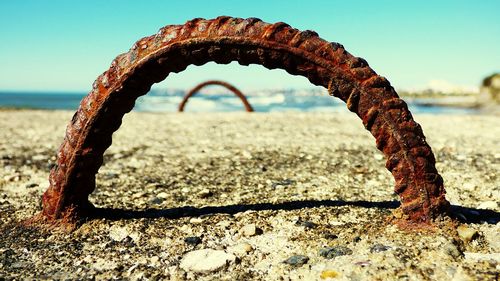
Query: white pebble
{"points": [[162, 195], [466, 233], [249, 230], [118, 233], [206, 260], [241, 250]]}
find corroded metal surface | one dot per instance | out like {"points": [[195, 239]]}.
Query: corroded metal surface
{"points": [[226, 85], [247, 41]]}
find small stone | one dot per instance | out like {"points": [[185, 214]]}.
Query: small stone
{"points": [[206, 260], [154, 261], [363, 263], [242, 249], [336, 223], [492, 205], [196, 220], [192, 240], [118, 233], [250, 230], [162, 195], [306, 224], [309, 224], [326, 274], [336, 251], [296, 260], [135, 236], [156, 201], [153, 185], [204, 193], [467, 234], [377, 248]]}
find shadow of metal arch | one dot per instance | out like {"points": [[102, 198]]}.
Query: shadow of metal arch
{"points": [[226, 85], [247, 41]]}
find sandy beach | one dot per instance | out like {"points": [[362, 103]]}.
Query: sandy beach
{"points": [[238, 196]]}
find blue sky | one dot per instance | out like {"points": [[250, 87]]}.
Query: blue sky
{"points": [[64, 45]]}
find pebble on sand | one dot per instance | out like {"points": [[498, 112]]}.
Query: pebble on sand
{"points": [[250, 230], [196, 220], [467, 234], [306, 224], [241, 250], [336, 251], [118, 233], [206, 260], [296, 260], [192, 240], [379, 248], [205, 193]]}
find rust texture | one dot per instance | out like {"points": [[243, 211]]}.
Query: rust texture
{"points": [[247, 41], [226, 85]]}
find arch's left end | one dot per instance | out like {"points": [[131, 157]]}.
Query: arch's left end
{"points": [[56, 213]]}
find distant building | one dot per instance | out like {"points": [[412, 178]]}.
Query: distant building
{"points": [[490, 89]]}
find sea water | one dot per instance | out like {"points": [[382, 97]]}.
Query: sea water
{"points": [[168, 101]]}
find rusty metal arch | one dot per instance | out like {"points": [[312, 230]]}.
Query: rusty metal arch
{"points": [[226, 85], [226, 39]]}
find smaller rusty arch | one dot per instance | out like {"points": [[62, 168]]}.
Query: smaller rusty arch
{"points": [[226, 85]]}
